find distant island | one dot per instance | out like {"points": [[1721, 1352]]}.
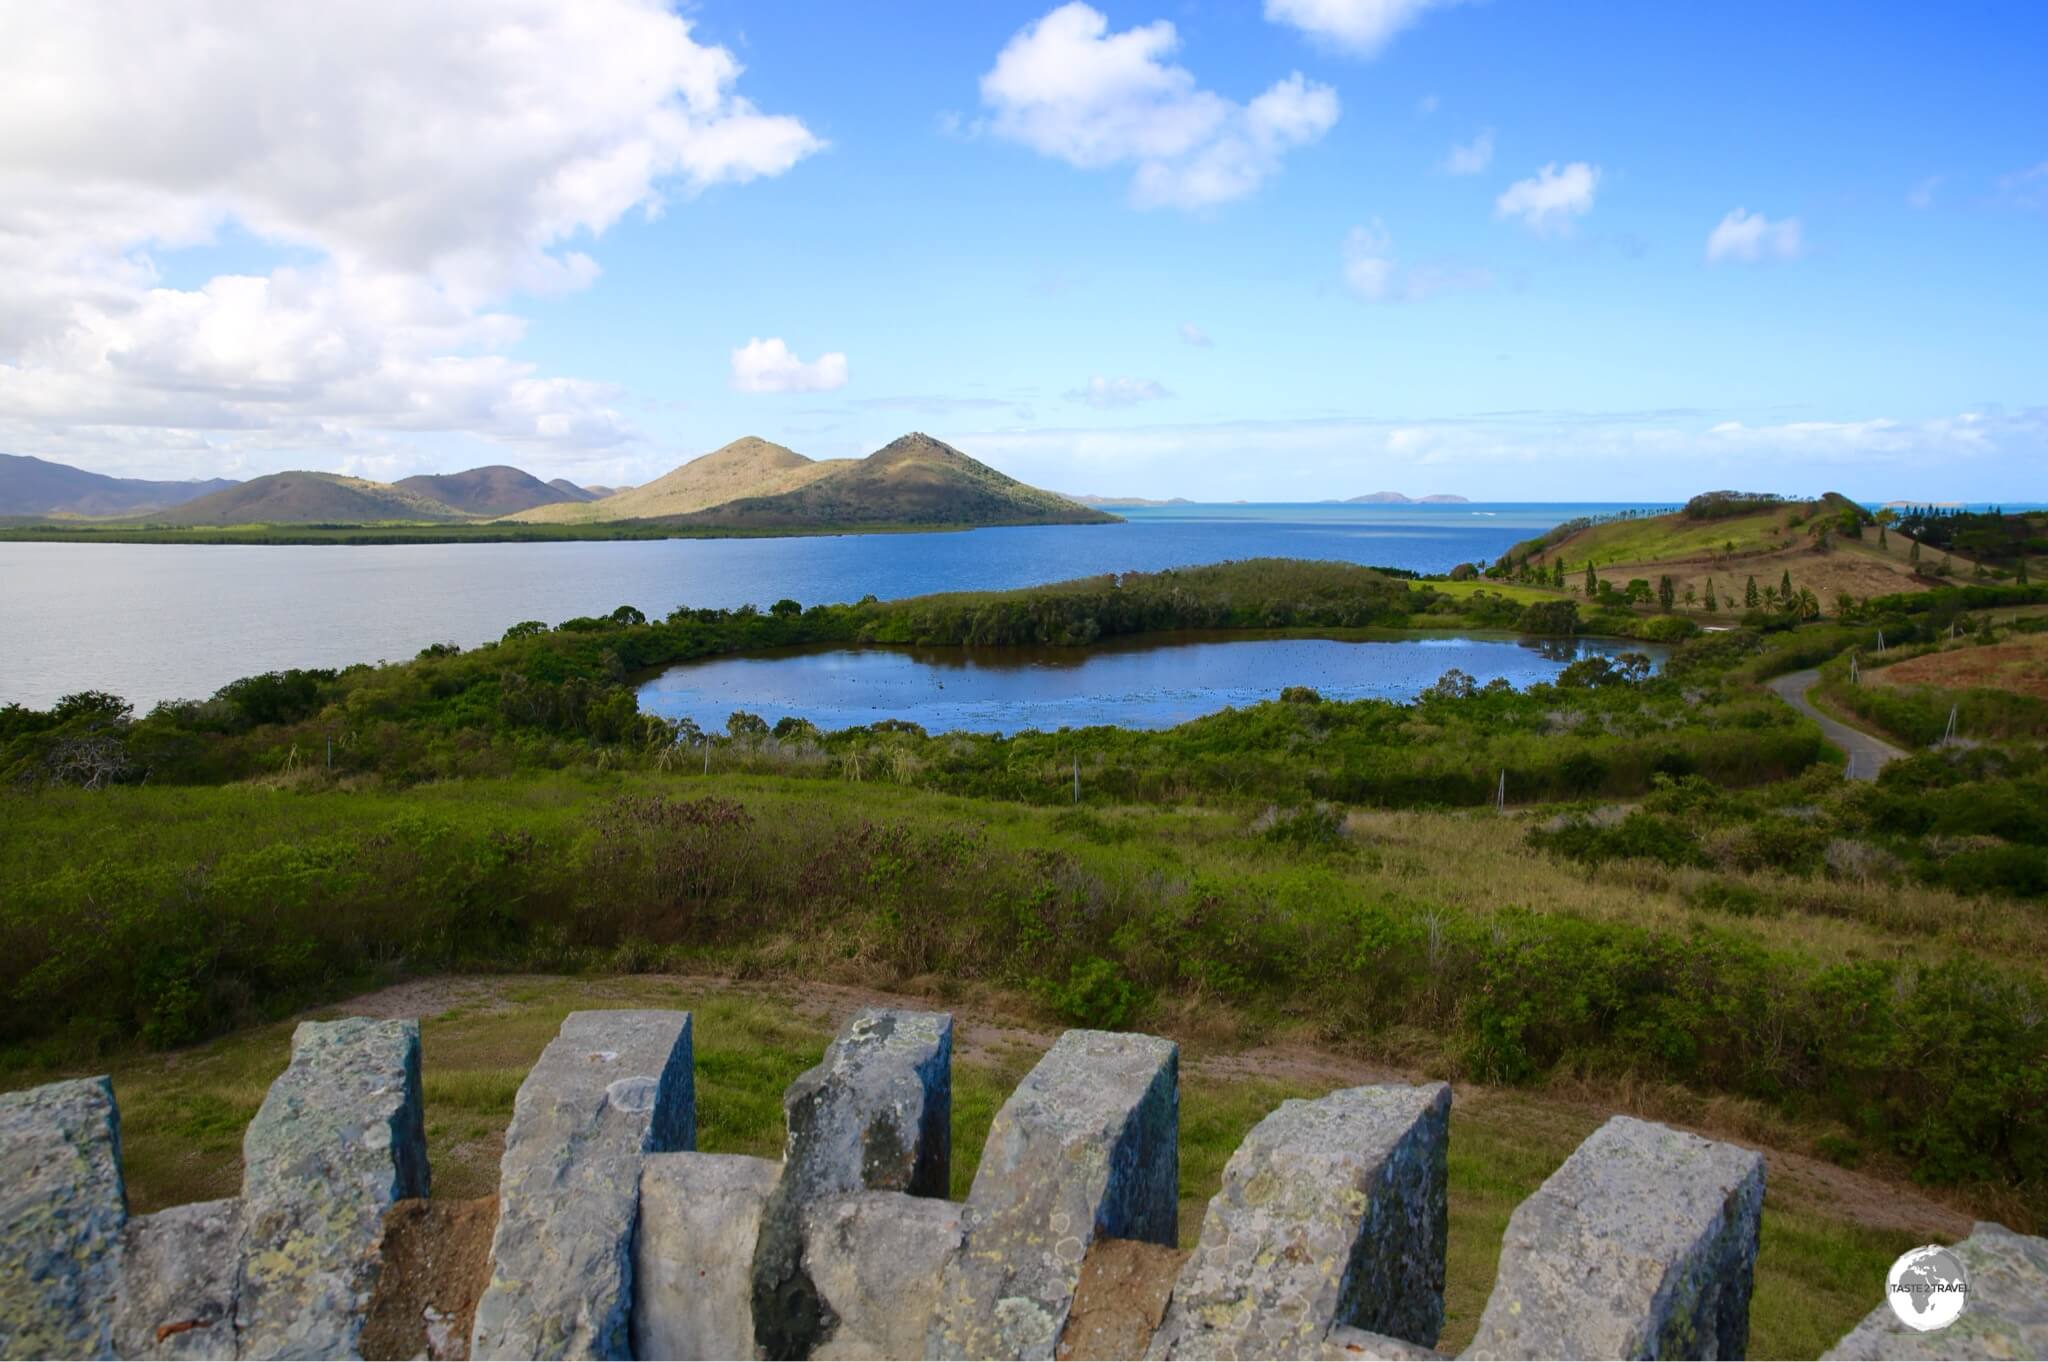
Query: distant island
{"points": [[751, 486], [1399, 499], [1100, 502]]}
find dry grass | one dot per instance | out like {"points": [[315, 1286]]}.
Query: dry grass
{"points": [[2018, 665], [1481, 863]]}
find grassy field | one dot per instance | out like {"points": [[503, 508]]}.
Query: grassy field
{"points": [[1828, 1236], [1515, 591]]}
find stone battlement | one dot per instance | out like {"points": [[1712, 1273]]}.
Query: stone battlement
{"points": [[615, 1239]]}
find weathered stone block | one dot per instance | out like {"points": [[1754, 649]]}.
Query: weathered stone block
{"points": [[179, 1272], [340, 1136], [612, 1088], [693, 1254], [2007, 1314], [1087, 1147], [62, 1208], [876, 1114], [875, 1259], [1346, 1344], [1331, 1212], [1642, 1245]]}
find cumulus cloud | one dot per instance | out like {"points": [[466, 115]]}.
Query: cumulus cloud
{"points": [[1105, 393], [1471, 157], [1068, 88], [1195, 335], [1921, 195], [1749, 237], [1373, 274], [415, 165], [1547, 201], [1362, 27], [769, 366]]}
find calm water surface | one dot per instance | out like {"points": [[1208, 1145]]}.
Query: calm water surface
{"points": [[153, 622], [1156, 684]]}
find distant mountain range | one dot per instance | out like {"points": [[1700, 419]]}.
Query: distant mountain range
{"points": [[1398, 499], [305, 498], [748, 485], [36, 487]]}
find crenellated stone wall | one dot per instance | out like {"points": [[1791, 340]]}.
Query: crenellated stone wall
{"points": [[615, 1239]]}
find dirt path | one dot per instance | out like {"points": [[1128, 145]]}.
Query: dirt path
{"points": [[1867, 755]]}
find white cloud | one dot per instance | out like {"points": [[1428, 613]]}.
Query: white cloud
{"points": [[415, 164], [768, 366], [1471, 157], [1751, 237], [1195, 335], [1921, 195], [1369, 261], [1374, 275], [1068, 88], [1547, 201], [1359, 26], [1427, 105], [2026, 188], [1104, 393]]}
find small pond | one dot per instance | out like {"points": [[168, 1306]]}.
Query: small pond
{"points": [[1157, 683]]}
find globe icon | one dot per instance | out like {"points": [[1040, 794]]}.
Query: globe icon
{"points": [[1927, 1288]]}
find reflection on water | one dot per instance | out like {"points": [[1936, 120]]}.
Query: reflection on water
{"points": [[1152, 684]]}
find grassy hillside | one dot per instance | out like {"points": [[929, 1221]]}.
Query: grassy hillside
{"points": [[914, 480], [307, 498], [494, 490], [749, 466], [1720, 543]]}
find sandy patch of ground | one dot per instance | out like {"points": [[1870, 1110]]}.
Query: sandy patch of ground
{"points": [[437, 1259], [1120, 1299]]}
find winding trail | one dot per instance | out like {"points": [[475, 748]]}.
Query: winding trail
{"points": [[1867, 755]]}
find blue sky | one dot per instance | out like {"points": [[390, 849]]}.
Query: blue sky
{"points": [[1311, 248]]}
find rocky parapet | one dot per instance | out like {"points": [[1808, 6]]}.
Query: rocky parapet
{"points": [[1642, 1245], [1086, 1147], [610, 1089], [341, 1135], [62, 1210], [1332, 1212]]}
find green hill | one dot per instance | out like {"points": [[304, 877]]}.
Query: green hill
{"points": [[1725, 523], [913, 480], [301, 498], [748, 467], [493, 490]]}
